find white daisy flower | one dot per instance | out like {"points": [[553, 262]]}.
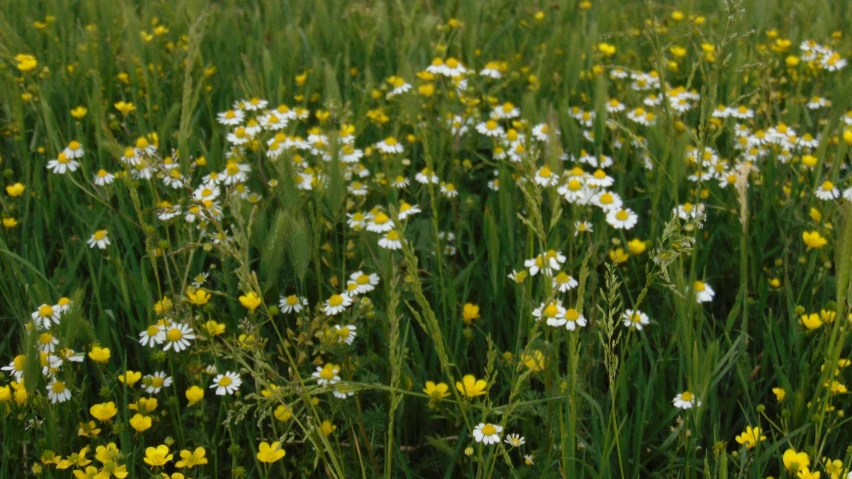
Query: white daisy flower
{"points": [[62, 164], [490, 128], [380, 223], [553, 313], [391, 240], [827, 191], [327, 374], [47, 342], [74, 150], [178, 337], [515, 440], [58, 392], [622, 218], [573, 319], [231, 117], [635, 319], [487, 433], [563, 282], [389, 146], [99, 239], [153, 383], [336, 304], [103, 178], [346, 334], [364, 282], [44, 315], [292, 304], [426, 176], [152, 336], [226, 384], [685, 400], [407, 210], [703, 292]]}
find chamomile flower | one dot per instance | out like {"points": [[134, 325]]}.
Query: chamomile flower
{"points": [[553, 313], [343, 391], [327, 374], [563, 282], [686, 400], [622, 218], [574, 320], [47, 342], [380, 223], [364, 283], [635, 319], [231, 117], [426, 176], [346, 334], [827, 191], [515, 440], [153, 383], [255, 104], [389, 146], [358, 221], [505, 111], [453, 68], [407, 210], [103, 178], [491, 70], [545, 262], [44, 315], [99, 239], [490, 128], [152, 336], [336, 304], [74, 150], [178, 337], [391, 240], [58, 392], [449, 190], [292, 304], [582, 227], [16, 367], [703, 292], [226, 384], [487, 433], [545, 177], [63, 164], [398, 86]]}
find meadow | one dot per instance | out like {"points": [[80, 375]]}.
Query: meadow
{"points": [[425, 239]]}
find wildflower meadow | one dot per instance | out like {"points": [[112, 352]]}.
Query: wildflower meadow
{"points": [[425, 239]]}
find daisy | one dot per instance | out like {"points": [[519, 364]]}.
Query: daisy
{"points": [[350, 154], [357, 188], [346, 334], [200, 279], [358, 220], [582, 227], [601, 179], [62, 164], [553, 313], [47, 343], [336, 304], [506, 111], [453, 68], [99, 239], [490, 128], [389, 146], [44, 315], [406, 210], [239, 136], [400, 182], [364, 282], [703, 292], [437, 67], [564, 282], [178, 337], [235, 173], [74, 150], [174, 179], [380, 223], [515, 440], [342, 392], [272, 122], [622, 218], [391, 240], [153, 383], [449, 190], [487, 433], [491, 70], [635, 319], [130, 158], [546, 177], [63, 305], [573, 319], [327, 374], [685, 400], [545, 262], [292, 304], [607, 200], [57, 392], [227, 383], [152, 336], [541, 132], [255, 104], [231, 117], [426, 176], [16, 367], [827, 191], [398, 85], [103, 178]]}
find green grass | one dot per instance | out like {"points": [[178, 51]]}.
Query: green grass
{"points": [[601, 405]]}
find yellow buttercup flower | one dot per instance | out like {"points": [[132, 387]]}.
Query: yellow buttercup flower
{"points": [[194, 394], [103, 412], [813, 240], [99, 354], [250, 301], [157, 456], [750, 437], [795, 461], [198, 297], [190, 459], [436, 391], [140, 423], [811, 321], [269, 453], [470, 312], [26, 62], [79, 112], [125, 108], [471, 387], [15, 190]]}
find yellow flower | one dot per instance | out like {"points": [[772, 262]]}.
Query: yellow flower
{"points": [[805, 473], [636, 246], [270, 453], [327, 427], [194, 394], [750, 437], [250, 301], [283, 413], [99, 354], [130, 378], [780, 393], [26, 62], [794, 461], [618, 256], [534, 361], [75, 459], [606, 49], [124, 108], [811, 321], [436, 391], [470, 313], [140, 423], [471, 387], [9, 223], [79, 112], [157, 456], [198, 297], [813, 240], [16, 190], [88, 429], [103, 412], [192, 459], [214, 328]]}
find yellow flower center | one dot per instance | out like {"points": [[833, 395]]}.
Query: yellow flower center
{"points": [[225, 381], [45, 338], [381, 219], [489, 430], [551, 311], [390, 141], [157, 382], [687, 396], [622, 215], [491, 125], [572, 314], [175, 334], [606, 198], [452, 63], [599, 174], [292, 300], [336, 300], [392, 235], [240, 133], [45, 311], [699, 286], [153, 330], [327, 373], [74, 145], [363, 279], [20, 362], [545, 172], [827, 186]]}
